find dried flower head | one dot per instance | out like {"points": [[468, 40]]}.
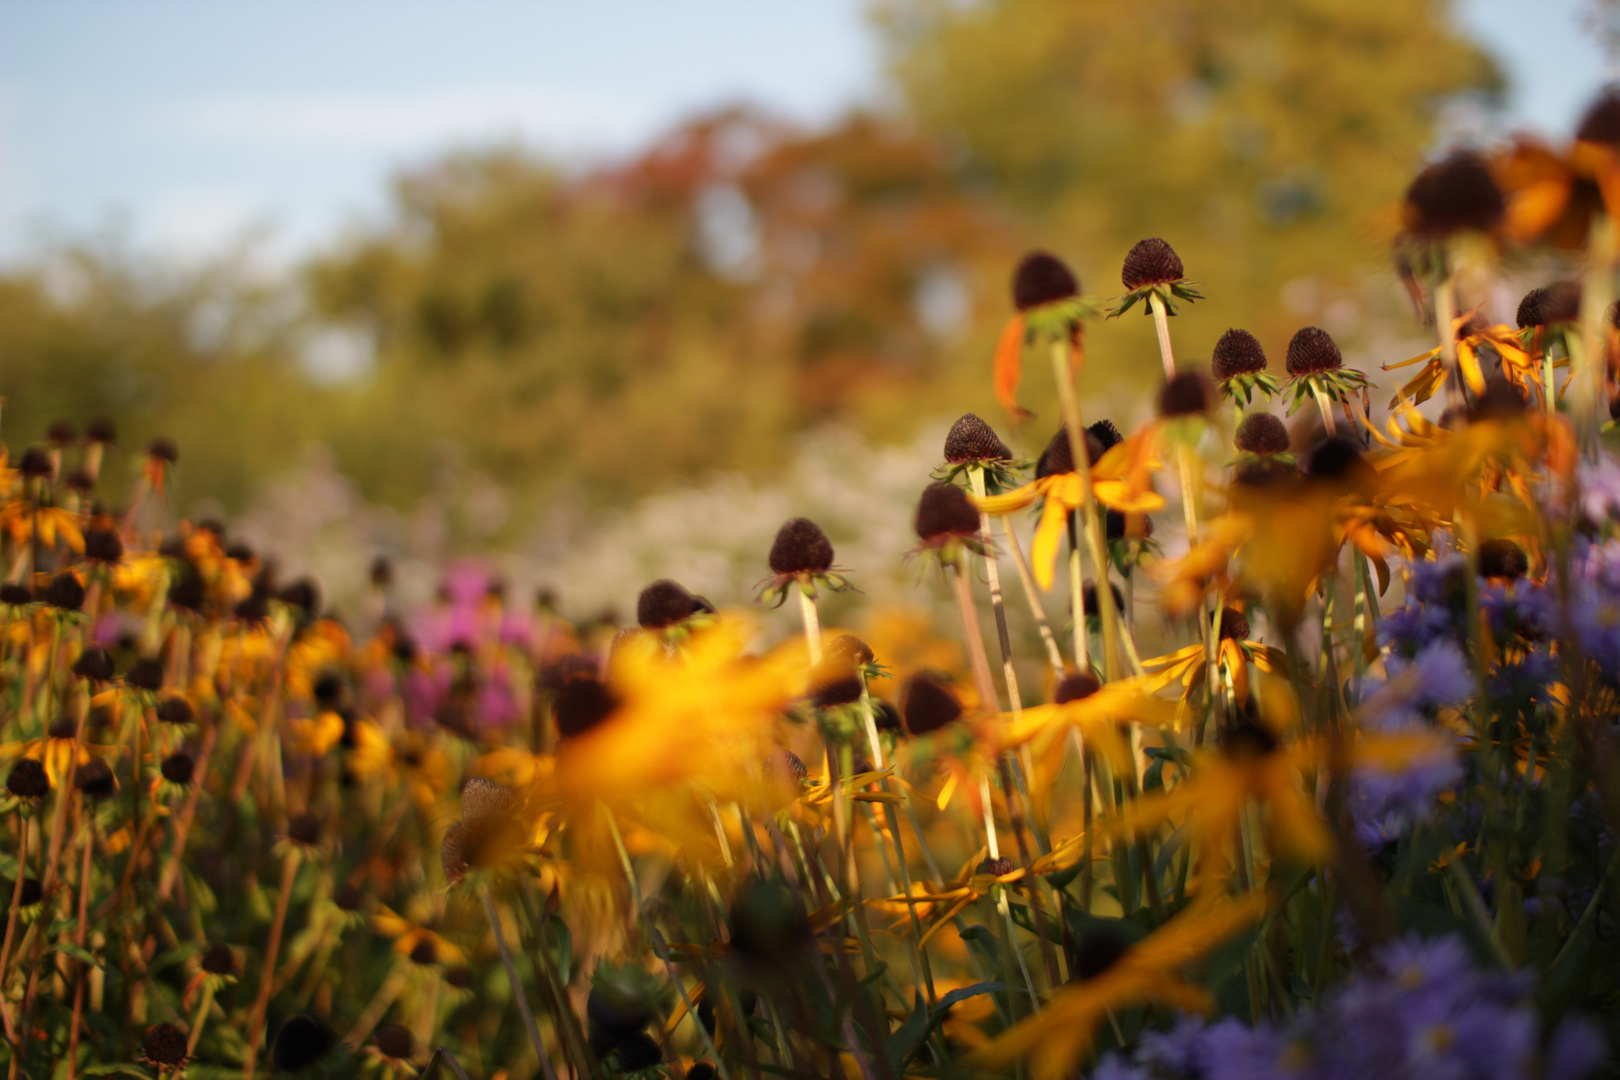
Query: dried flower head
{"points": [[65, 592], [61, 434], [394, 1042], [1151, 262], [35, 464], [94, 779], [219, 960], [1601, 121], [94, 664], [304, 595], [1559, 302], [1088, 597], [146, 674], [481, 797], [997, 866], [163, 450], [1188, 393], [768, 922], [101, 430], [1042, 278], [944, 513], [1501, 400], [665, 603], [581, 704], [1058, 457], [301, 1042], [103, 546], [928, 703], [484, 843], [1455, 194], [164, 1046], [305, 830], [1238, 352], [971, 439], [13, 594], [28, 780], [175, 710], [1234, 625], [1262, 433], [800, 547], [178, 768], [1311, 350]]}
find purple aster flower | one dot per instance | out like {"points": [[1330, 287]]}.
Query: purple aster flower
{"points": [[1599, 483], [1577, 1050]]}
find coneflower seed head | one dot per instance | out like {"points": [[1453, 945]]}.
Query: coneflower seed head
{"points": [[943, 511], [175, 710], [665, 603], [393, 1041], [928, 704], [219, 960], [28, 780], [1186, 394], [103, 545], [1238, 352], [178, 767], [301, 1042], [800, 547], [1234, 625], [1074, 687], [1151, 262], [481, 797], [1503, 558], [305, 829], [164, 1045], [581, 704], [95, 779], [1311, 350], [94, 664], [1601, 123], [65, 592], [1261, 433], [1454, 194], [971, 439], [1042, 278], [1558, 302]]}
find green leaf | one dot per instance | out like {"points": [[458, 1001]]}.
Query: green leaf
{"points": [[903, 1042], [117, 1068], [82, 955], [983, 942], [564, 955]]}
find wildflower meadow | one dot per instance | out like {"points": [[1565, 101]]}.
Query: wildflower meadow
{"points": [[1352, 816]]}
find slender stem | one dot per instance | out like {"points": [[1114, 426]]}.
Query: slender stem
{"points": [[1323, 407], [261, 1006], [1445, 311], [516, 980], [200, 1019], [812, 625], [1032, 595], [1003, 638], [1162, 324]]}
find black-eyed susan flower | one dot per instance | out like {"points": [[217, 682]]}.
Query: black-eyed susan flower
{"points": [[972, 444], [1474, 341], [1235, 653], [301, 1043], [1114, 976], [1121, 480], [392, 1051], [1238, 364], [1153, 271], [1316, 372], [163, 1047], [1047, 305], [801, 556]]}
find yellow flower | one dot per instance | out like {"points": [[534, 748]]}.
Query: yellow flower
{"points": [[411, 936], [1120, 479], [411, 761], [1122, 977], [314, 736], [1470, 333]]}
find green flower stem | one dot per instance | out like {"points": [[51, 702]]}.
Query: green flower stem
{"points": [[1323, 407], [261, 1005], [812, 625], [1010, 676], [516, 980], [201, 1017], [1445, 311], [1054, 654]]}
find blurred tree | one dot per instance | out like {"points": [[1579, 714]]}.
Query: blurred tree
{"points": [[1268, 141]]}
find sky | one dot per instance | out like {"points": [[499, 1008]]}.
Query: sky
{"points": [[181, 125]]}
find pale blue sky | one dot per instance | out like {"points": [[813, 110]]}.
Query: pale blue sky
{"points": [[189, 120]]}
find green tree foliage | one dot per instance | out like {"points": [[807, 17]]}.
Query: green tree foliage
{"points": [[1268, 141]]}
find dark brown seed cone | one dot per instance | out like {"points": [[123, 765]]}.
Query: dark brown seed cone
{"points": [[581, 704], [835, 681], [1102, 437], [32, 893], [163, 450], [101, 430], [1556, 303], [997, 866], [768, 922], [178, 767], [175, 710], [481, 797], [480, 844], [1187, 394], [305, 829], [219, 960], [1338, 460], [1454, 194], [94, 664], [453, 851], [639, 1051], [61, 433], [63, 727], [80, 480], [460, 976], [928, 704], [1058, 457], [1151, 262], [1601, 122], [35, 463], [303, 594], [1262, 433], [858, 652], [885, 716], [164, 1046], [1042, 278], [800, 547], [1501, 400], [558, 673], [1088, 597], [424, 952], [102, 545], [1237, 353], [701, 1070], [1503, 559], [1269, 473], [65, 592], [1074, 687], [394, 1042], [1312, 350], [94, 779], [1234, 625], [348, 897], [665, 603], [301, 1042], [15, 595], [28, 780], [456, 717], [945, 511], [971, 439]]}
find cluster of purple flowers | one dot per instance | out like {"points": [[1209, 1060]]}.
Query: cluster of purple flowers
{"points": [[1420, 1011]]}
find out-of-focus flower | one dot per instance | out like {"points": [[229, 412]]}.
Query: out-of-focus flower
{"points": [[1472, 336]]}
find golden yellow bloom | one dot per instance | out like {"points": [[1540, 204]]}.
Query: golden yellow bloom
{"points": [[1148, 972], [1121, 480], [1470, 333], [314, 735]]}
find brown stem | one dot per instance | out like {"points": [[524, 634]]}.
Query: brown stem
{"points": [[261, 1006]]}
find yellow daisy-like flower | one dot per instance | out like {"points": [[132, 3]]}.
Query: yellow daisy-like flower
{"points": [[1471, 334], [316, 735], [1121, 480], [1121, 976], [411, 761]]}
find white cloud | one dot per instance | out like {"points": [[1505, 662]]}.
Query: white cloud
{"points": [[406, 120]]}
